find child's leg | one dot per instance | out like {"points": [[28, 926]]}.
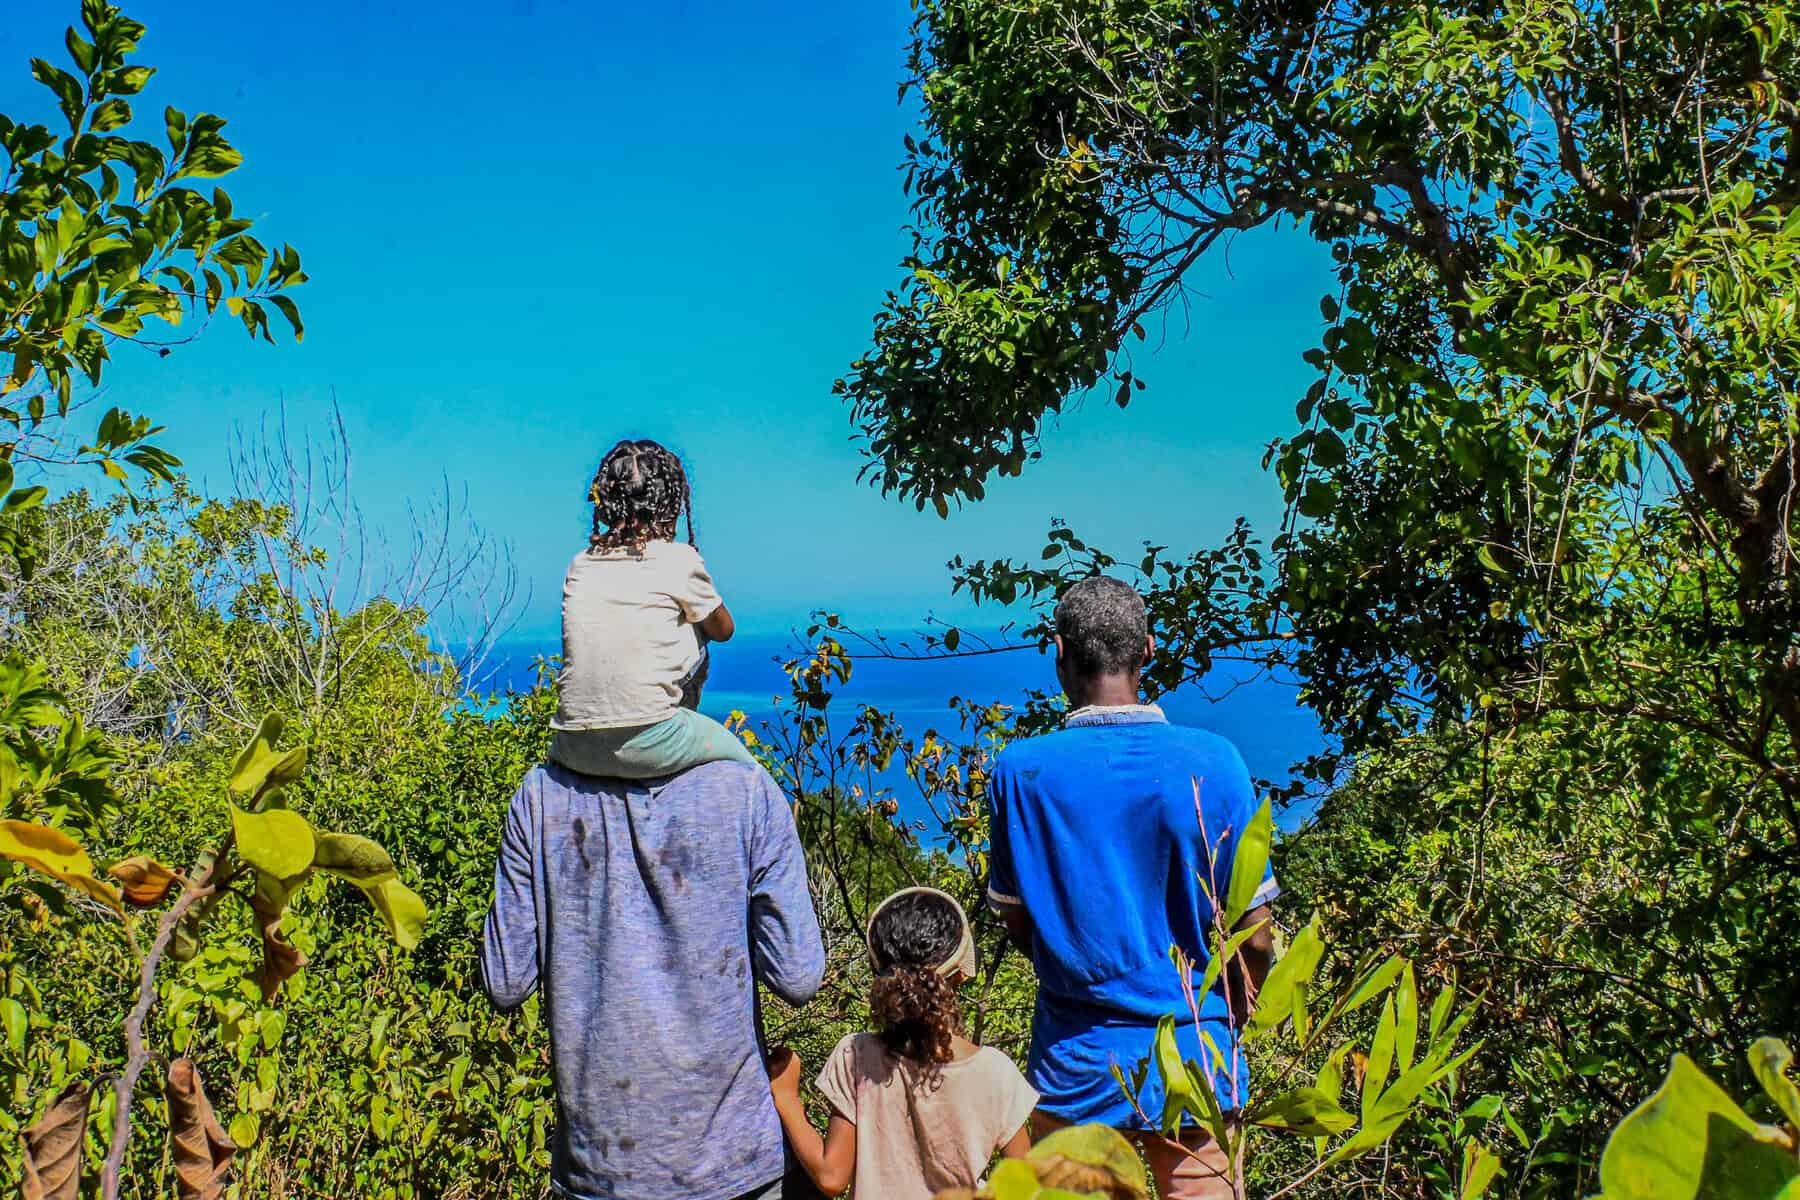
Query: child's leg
{"points": [[685, 739], [598, 752], [670, 746]]}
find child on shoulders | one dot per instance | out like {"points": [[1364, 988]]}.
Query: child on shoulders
{"points": [[916, 1108], [638, 611]]}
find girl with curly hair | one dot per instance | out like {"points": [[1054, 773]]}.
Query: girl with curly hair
{"points": [[916, 1108], [638, 611]]}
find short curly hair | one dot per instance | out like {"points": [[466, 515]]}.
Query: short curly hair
{"points": [[914, 1006], [1102, 623], [639, 494]]}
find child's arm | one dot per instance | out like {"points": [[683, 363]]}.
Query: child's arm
{"points": [[718, 626], [830, 1159], [1019, 1145]]}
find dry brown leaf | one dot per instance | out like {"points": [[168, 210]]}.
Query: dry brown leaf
{"points": [[281, 958], [53, 1148], [201, 1147], [145, 881]]}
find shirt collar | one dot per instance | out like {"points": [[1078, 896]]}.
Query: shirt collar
{"points": [[1115, 714]]}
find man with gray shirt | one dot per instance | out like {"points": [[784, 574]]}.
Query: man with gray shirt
{"points": [[647, 911]]}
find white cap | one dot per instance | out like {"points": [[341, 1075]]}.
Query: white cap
{"points": [[961, 962]]}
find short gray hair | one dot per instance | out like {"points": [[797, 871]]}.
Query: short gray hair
{"points": [[1102, 624]]}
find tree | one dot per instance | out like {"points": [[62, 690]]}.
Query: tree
{"points": [[101, 234], [1540, 528]]}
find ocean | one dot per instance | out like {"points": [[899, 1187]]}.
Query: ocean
{"points": [[1261, 716]]}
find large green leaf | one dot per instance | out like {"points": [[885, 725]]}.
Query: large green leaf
{"points": [[1291, 972], [1306, 1110], [278, 842], [357, 859], [403, 911], [1249, 862], [1691, 1141]]}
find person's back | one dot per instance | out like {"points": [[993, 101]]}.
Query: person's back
{"points": [[1109, 843], [1116, 828], [647, 913]]}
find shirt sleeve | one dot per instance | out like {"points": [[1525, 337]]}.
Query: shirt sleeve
{"points": [[693, 588], [1018, 1099], [1002, 877], [837, 1079], [509, 937], [788, 950]]}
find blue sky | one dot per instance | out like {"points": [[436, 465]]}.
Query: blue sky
{"points": [[534, 227]]}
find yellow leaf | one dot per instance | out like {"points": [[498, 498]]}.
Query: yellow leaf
{"points": [[57, 855]]}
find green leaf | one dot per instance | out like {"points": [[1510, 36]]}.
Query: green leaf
{"points": [[244, 1129], [1381, 1060], [1690, 1139], [1305, 1110], [1480, 1166], [260, 768], [1770, 1059], [277, 842], [1406, 1019], [1249, 862], [1224, 954], [1374, 983], [357, 859], [17, 1023], [1291, 972], [403, 911]]}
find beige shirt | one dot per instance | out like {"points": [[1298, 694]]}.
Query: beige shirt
{"points": [[921, 1129], [628, 634]]}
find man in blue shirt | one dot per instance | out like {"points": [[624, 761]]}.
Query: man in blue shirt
{"points": [[1108, 840]]}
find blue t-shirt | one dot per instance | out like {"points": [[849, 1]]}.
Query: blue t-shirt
{"points": [[1096, 831]]}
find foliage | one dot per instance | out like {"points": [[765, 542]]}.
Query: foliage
{"points": [[270, 849], [101, 232], [1691, 1139], [1083, 1162], [1298, 1089]]}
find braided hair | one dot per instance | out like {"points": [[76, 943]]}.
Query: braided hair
{"points": [[639, 493], [914, 1005]]}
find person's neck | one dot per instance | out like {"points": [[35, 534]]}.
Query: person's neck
{"points": [[1107, 691], [961, 1048]]}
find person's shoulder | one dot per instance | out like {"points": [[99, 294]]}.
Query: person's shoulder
{"points": [[998, 1064], [1029, 753], [728, 785], [672, 553], [1203, 742]]}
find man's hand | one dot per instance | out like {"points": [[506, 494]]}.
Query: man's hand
{"points": [[784, 1074]]}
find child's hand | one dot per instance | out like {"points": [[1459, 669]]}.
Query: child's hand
{"points": [[784, 1073]]}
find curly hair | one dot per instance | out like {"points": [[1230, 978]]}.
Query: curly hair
{"points": [[914, 1006], [639, 493]]}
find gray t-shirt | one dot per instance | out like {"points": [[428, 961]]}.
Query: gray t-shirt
{"points": [[646, 913]]}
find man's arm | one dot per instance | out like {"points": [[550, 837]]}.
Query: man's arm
{"points": [[1245, 974], [784, 930], [509, 938], [1002, 881], [1018, 928]]}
